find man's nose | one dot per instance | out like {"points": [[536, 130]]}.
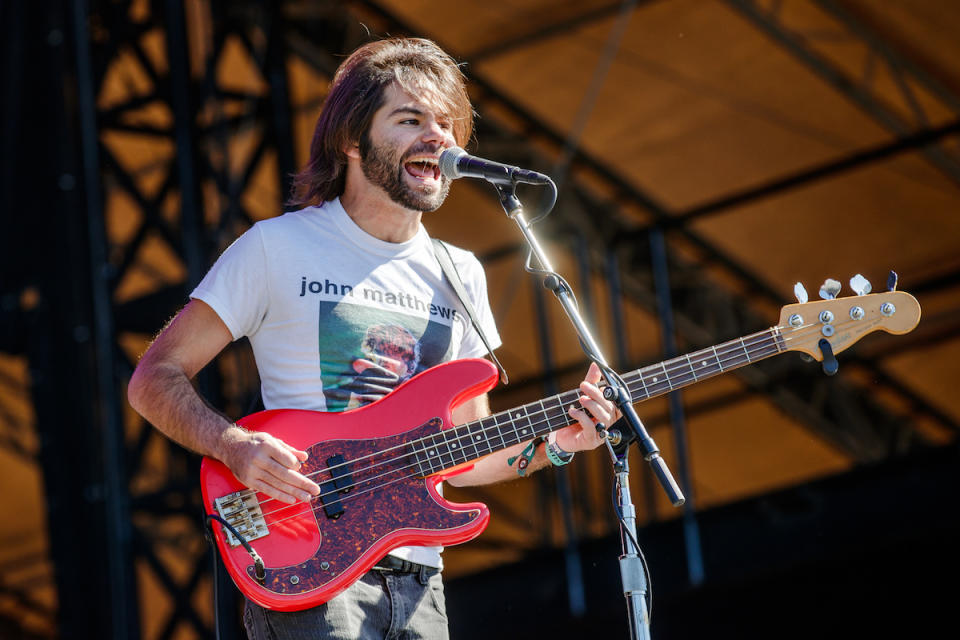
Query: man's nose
{"points": [[437, 134]]}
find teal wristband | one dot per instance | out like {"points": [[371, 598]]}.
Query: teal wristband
{"points": [[526, 456], [557, 456]]}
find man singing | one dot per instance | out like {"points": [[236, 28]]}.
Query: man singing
{"points": [[342, 301]]}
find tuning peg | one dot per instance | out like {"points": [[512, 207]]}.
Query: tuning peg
{"points": [[892, 281], [860, 285], [830, 364], [830, 289], [800, 292]]}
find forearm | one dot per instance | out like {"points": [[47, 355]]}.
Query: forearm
{"points": [[163, 394], [493, 468], [161, 391]]}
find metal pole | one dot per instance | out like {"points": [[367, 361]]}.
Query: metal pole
{"points": [[119, 565], [691, 530]]}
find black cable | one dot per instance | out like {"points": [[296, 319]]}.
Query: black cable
{"points": [[643, 560], [259, 571]]}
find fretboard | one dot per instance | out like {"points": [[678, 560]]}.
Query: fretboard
{"points": [[476, 439]]}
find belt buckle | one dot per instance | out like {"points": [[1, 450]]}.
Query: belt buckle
{"points": [[397, 565]]}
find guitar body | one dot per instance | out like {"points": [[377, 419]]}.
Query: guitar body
{"points": [[312, 552]]}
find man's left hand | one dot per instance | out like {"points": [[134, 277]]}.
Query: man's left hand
{"points": [[582, 435]]}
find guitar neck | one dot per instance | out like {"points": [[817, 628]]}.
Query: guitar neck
{"points": [[476, 439]]}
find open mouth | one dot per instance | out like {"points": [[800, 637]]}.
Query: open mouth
{"points": [[423, 168]]}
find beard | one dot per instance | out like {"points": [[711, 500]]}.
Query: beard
{"points": [[383, 166]]}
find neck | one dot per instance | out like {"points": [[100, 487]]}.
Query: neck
{"points": [[373, 211]]}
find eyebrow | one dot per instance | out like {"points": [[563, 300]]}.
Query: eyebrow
{"points": [[413, 110], [417, 112]]}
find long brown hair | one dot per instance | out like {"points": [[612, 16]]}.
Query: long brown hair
{"points": [[419, 66]]}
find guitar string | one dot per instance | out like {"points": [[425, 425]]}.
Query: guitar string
{"points": [[771, 346], [766, 338]]}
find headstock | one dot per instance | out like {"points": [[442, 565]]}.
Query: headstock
{"points": [[825, 327]]}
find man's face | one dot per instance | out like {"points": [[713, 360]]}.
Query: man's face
{"points": [[400, 151]]}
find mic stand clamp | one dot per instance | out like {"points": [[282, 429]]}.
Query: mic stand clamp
{"points": [[632, 569]]}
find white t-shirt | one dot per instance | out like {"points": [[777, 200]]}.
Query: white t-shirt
{"points": [[338, 318]]}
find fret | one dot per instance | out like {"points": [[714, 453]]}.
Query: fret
{"points": [[555, 414], [678, 375], [541, 420], [708, 365], [457, 451], [715, 355], [483, 438], [693, 371], [420, 456], [778, 340], [503, 441], [429, 459], [646, 392], [526, 431], [666, 375], [449, 449], [474, 436], [512, 437], [744, 347], [446, 458], [436, 450], [730, 353], [663, 377]]}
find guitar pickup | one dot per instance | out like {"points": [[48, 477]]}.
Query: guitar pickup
{"points": [[341, 480], [242, 510]]}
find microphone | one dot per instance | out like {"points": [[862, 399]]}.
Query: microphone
{"points": [[457, 163]]}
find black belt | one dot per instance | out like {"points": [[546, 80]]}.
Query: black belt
{"points": [[393, 563]]}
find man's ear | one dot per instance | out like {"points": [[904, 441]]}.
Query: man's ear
{"points": [[352, 150]]}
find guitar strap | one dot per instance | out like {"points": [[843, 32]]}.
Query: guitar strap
{"points": [[442, 254]]}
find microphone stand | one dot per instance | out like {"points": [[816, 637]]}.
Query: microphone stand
{"points": [[632, 566]]}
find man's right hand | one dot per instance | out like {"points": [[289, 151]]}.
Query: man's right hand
{"points": [[267, 464]]}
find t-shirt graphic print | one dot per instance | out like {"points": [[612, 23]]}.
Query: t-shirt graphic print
{"points": [[366, 352]]}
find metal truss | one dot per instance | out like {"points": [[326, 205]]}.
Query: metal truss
{"points": [[188, 199]]}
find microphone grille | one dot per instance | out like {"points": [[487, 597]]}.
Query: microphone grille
{"points": [[448, 162]]}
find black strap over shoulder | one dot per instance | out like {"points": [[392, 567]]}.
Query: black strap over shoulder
{"points": [[442, 254]]}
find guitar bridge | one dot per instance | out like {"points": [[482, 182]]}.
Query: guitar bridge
{"points": [[242, 510]]}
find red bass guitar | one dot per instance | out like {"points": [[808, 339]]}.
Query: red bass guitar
{"points": [[378, 466]]}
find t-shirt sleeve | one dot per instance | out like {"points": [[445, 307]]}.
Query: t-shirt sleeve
{"points": [[475, 283], [236, 285]]}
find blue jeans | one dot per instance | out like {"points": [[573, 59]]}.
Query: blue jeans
{"points": [[381, 605]]}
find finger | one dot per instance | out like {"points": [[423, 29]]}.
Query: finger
{"points": [[601, 411], [288, 482], [593, 373], [280, 468], [593, 391], [292, 480], [583, 418], [277, 490], [299, 454], [277, 450]]}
